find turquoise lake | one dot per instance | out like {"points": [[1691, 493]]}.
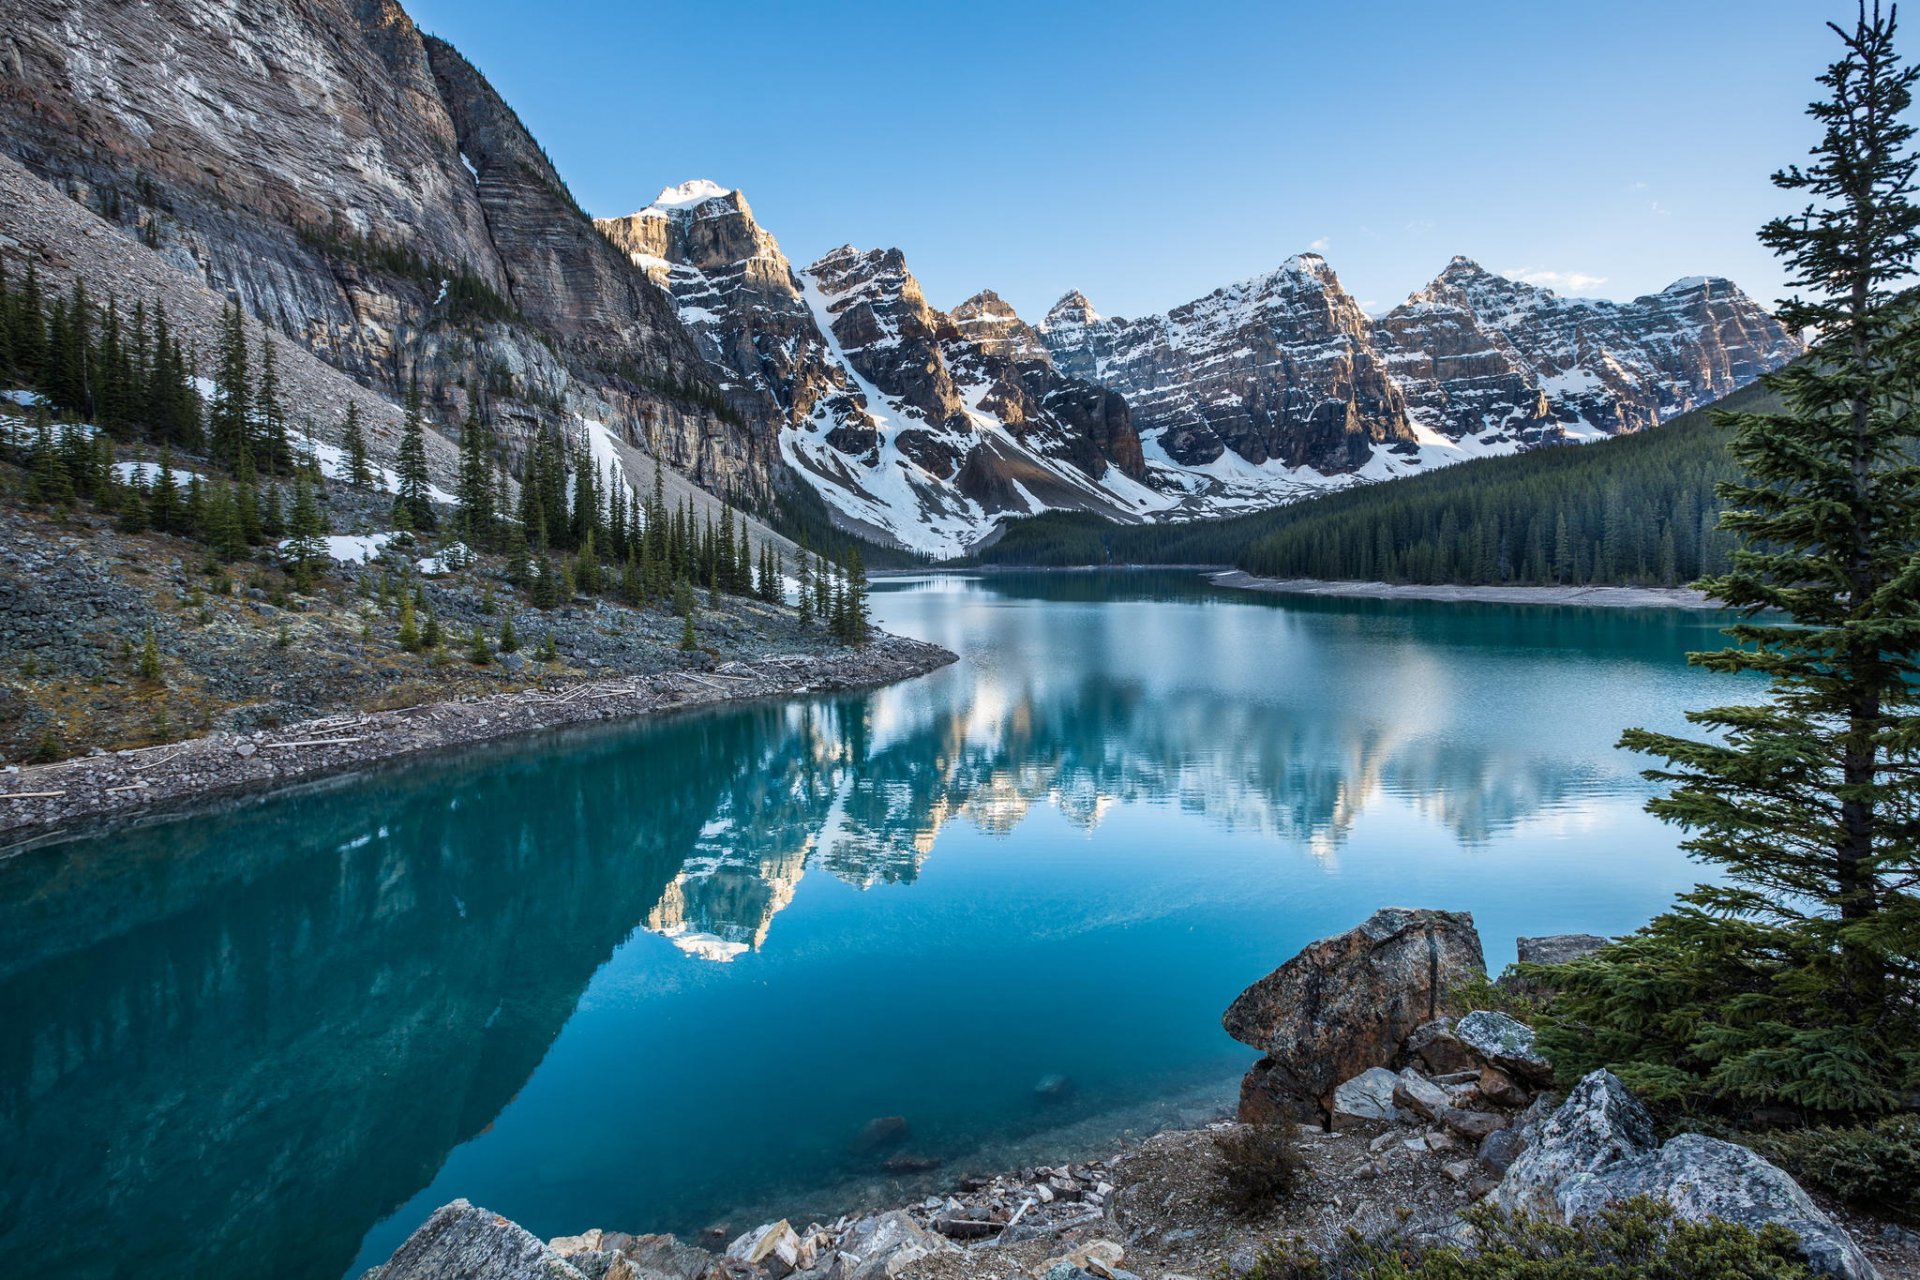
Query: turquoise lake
{"points": [[659, 976]]}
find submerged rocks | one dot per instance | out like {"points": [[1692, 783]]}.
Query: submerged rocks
{"points": [[1347, 1003]]}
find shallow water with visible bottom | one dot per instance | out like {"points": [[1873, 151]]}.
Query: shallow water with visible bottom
{"points": [[660, 976]]}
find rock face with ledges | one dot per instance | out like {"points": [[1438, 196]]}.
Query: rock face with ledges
{"points": [[916, 425], [1277, 367], [1348, 1003], [1482, 355], [335, 170]]}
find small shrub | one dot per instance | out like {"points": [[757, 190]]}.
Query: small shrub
{"points": [[1523, 999], [1260, 1163], [1637, 1239], [1873, 1166], [46, 749]]}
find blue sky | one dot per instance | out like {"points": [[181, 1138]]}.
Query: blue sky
{"points": [[1147, 153]]}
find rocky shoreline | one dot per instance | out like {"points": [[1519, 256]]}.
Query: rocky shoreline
{"points": [[1584, 597], [36, 800], [1403, 1107]]}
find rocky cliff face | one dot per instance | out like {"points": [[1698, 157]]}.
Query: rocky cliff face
{"points": [[1481, 355], [1279, 382], [918, 427], [1274, 368], [338, 172]]}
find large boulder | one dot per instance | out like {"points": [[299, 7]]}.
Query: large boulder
{"points": [[1703, 1177], [1347, 1003], [462, 1242], [1599, 1147], [1598, 1125]]}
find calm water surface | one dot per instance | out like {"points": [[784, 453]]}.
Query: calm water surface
{"points": [[659, 976]]}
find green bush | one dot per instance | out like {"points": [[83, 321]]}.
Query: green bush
{"points": [[1637, 1239], [1260, 1163], [1874, 1166]]}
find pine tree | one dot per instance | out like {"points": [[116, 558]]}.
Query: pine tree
{"points": [[1794, 978], [359, 474], [271, 446], [684, 599], [412, 508], [509, 642], [409, 634], [476, 514], [803, 574], [307, 528], [163, 500], [228, 419], [150, 657]]}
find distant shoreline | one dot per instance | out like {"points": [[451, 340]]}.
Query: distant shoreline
{"points": [[1582, 597], [36, 800]]}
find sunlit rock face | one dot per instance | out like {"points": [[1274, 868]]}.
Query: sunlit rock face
{"points": [[335, 170], [917, 426], [1481, 355]]}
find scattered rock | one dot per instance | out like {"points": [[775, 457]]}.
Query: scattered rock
{"points": [[1436, 1050], [1053, 1088], [1366, 1098], [1501, 1089], [1347, 1003], [912, 1164], [1494, 1039], [1499, 1149]]}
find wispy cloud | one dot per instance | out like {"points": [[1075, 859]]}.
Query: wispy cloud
{"points": [[1321, 245], [1565, 281]]}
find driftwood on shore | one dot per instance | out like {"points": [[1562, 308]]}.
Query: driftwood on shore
{"points": [[44, 798]]}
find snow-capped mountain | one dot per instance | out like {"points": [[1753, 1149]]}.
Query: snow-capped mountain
{"points": [[1481, 355], [927, 428], [916, 426]]}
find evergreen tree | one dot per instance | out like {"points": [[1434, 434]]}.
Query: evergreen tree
{"points": [[271, 446], [228, 419], [409, 634], [359, 474], [163, 502], [803, 574], [476, 514], [1795, 977], [509, 642], [307, 528], [412, 508]]}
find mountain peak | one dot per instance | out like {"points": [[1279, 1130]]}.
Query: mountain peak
{"points": [[1073, 305], [691, 194]]}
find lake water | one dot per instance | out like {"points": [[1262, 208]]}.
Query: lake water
{"points": [[660, 976]]}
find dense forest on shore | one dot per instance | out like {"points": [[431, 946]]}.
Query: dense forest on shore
{"points": [[1639, 510]]}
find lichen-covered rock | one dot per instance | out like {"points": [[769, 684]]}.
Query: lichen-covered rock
{"points": [[1347, 1003], [1494, 1039], [1704, 1177], [463, 1242], [1598, 1125]]}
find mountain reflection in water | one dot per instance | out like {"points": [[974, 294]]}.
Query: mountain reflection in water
{"points": [[272, 1036]]}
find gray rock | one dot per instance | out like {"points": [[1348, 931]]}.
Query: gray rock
{"points": [[1494, 1039], [1420, 1095], [1435, 1049], [1558, 948], [461, 1242], [1598, 1125], [886, 1244], [1499, 1149], [1367, 1098], [1703, 1177]]}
